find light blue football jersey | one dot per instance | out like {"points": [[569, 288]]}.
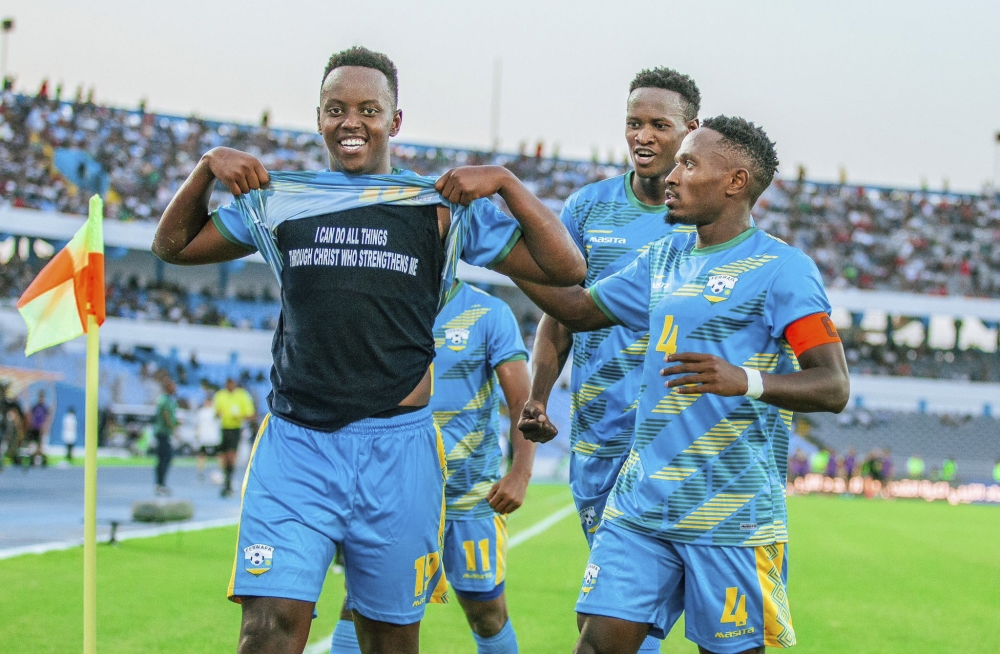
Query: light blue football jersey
{"points": [[479, 233], [707, 469], [473, 335], [611, 228]]}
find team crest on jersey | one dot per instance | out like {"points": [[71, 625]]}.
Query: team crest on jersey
{"points": [[719, 287], [588, 518], [456, 338], [590, 577], [257, 559]]}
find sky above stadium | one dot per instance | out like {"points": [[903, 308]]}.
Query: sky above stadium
{"points": [[895, 92]]}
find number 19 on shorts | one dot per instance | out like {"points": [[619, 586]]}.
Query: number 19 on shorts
{"points": [[426, 567]]}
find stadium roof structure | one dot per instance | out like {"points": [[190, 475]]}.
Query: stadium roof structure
{"points": [[19, 379]]}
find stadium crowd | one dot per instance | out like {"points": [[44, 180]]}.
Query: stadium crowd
{"points": [[861, 237]]}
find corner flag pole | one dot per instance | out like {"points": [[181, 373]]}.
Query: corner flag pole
{"points": [[64, 301], [90, 460], [90, 492]]}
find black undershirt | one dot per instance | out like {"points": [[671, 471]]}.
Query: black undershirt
{"points": [[358, 301]]}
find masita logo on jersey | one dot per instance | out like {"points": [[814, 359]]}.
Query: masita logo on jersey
{"points": [[257, 559], [719, 288], [456, 338], [590, 577]]}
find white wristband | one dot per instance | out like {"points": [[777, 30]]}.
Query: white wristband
{"points": [[755, 383]]}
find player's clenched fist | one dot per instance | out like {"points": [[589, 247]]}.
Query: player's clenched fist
{"points": [[704, 373], [535, 424], [239, 171], [468, 183]]}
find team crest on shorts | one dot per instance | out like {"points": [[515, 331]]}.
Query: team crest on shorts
{"points": [[590, 577], [719, 287], [456, 338], [588, 518], [257, 559]]}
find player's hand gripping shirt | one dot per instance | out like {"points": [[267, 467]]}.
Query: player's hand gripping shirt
{"points": [[363, 271], [707, 469], [473, 335], [611, 228]]}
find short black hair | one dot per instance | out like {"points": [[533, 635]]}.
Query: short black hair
{"points": [[751, 142], [362, 56], [670, 80]]}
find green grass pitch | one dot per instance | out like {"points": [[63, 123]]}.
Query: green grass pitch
{"points": [[865, 576]]}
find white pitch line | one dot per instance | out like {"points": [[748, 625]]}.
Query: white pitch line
{"points": [[323, 646], [42, 548]]}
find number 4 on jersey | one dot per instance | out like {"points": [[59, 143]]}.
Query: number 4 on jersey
{"points": [[736, 608], [668, 337]]}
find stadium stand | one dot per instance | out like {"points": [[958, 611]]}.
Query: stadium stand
{"points": [[54, 154], [971, 441], [202, 327]]}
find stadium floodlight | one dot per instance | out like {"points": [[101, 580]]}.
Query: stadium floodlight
{"points": [[7, 25]]}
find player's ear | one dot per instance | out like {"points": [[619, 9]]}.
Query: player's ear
{"points": [[692, 125], [739, 181], [397, 121], [318, 127]]}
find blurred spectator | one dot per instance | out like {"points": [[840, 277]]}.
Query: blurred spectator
{"points": [[915, 467], [832, 467], [164, 423], [887, 465], [872, 466], [798, 465], [996, 472], [949, 469], [208, 433], [69, 427], [37, 427], [11, 427], [850, 463], [819, 461]]}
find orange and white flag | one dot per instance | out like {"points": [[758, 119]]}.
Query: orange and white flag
{"points": [[57, 303]]}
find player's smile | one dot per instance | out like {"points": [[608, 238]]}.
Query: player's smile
{"points": [[352, 144]]}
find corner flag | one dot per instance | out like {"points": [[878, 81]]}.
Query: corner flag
{"points": [[66, 300], [69, 288]]}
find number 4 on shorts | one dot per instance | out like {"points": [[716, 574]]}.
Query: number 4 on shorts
{"points": [[736, 607]]}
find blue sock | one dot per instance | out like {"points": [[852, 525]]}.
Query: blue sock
{"points": [[504, 642], [650, 645], [345, 639]]}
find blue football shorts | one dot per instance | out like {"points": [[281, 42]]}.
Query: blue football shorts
{"points": [[591, 480], [475, 557], [373, 488], [733, 598]]}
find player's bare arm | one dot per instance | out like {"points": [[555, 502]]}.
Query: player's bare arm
{"points": [[548, 356], [186, 234], [823, 384], [571, 306], [507, 495], [545, 254]]}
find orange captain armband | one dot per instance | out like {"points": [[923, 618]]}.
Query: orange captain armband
{"points": [[806, 333]]}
